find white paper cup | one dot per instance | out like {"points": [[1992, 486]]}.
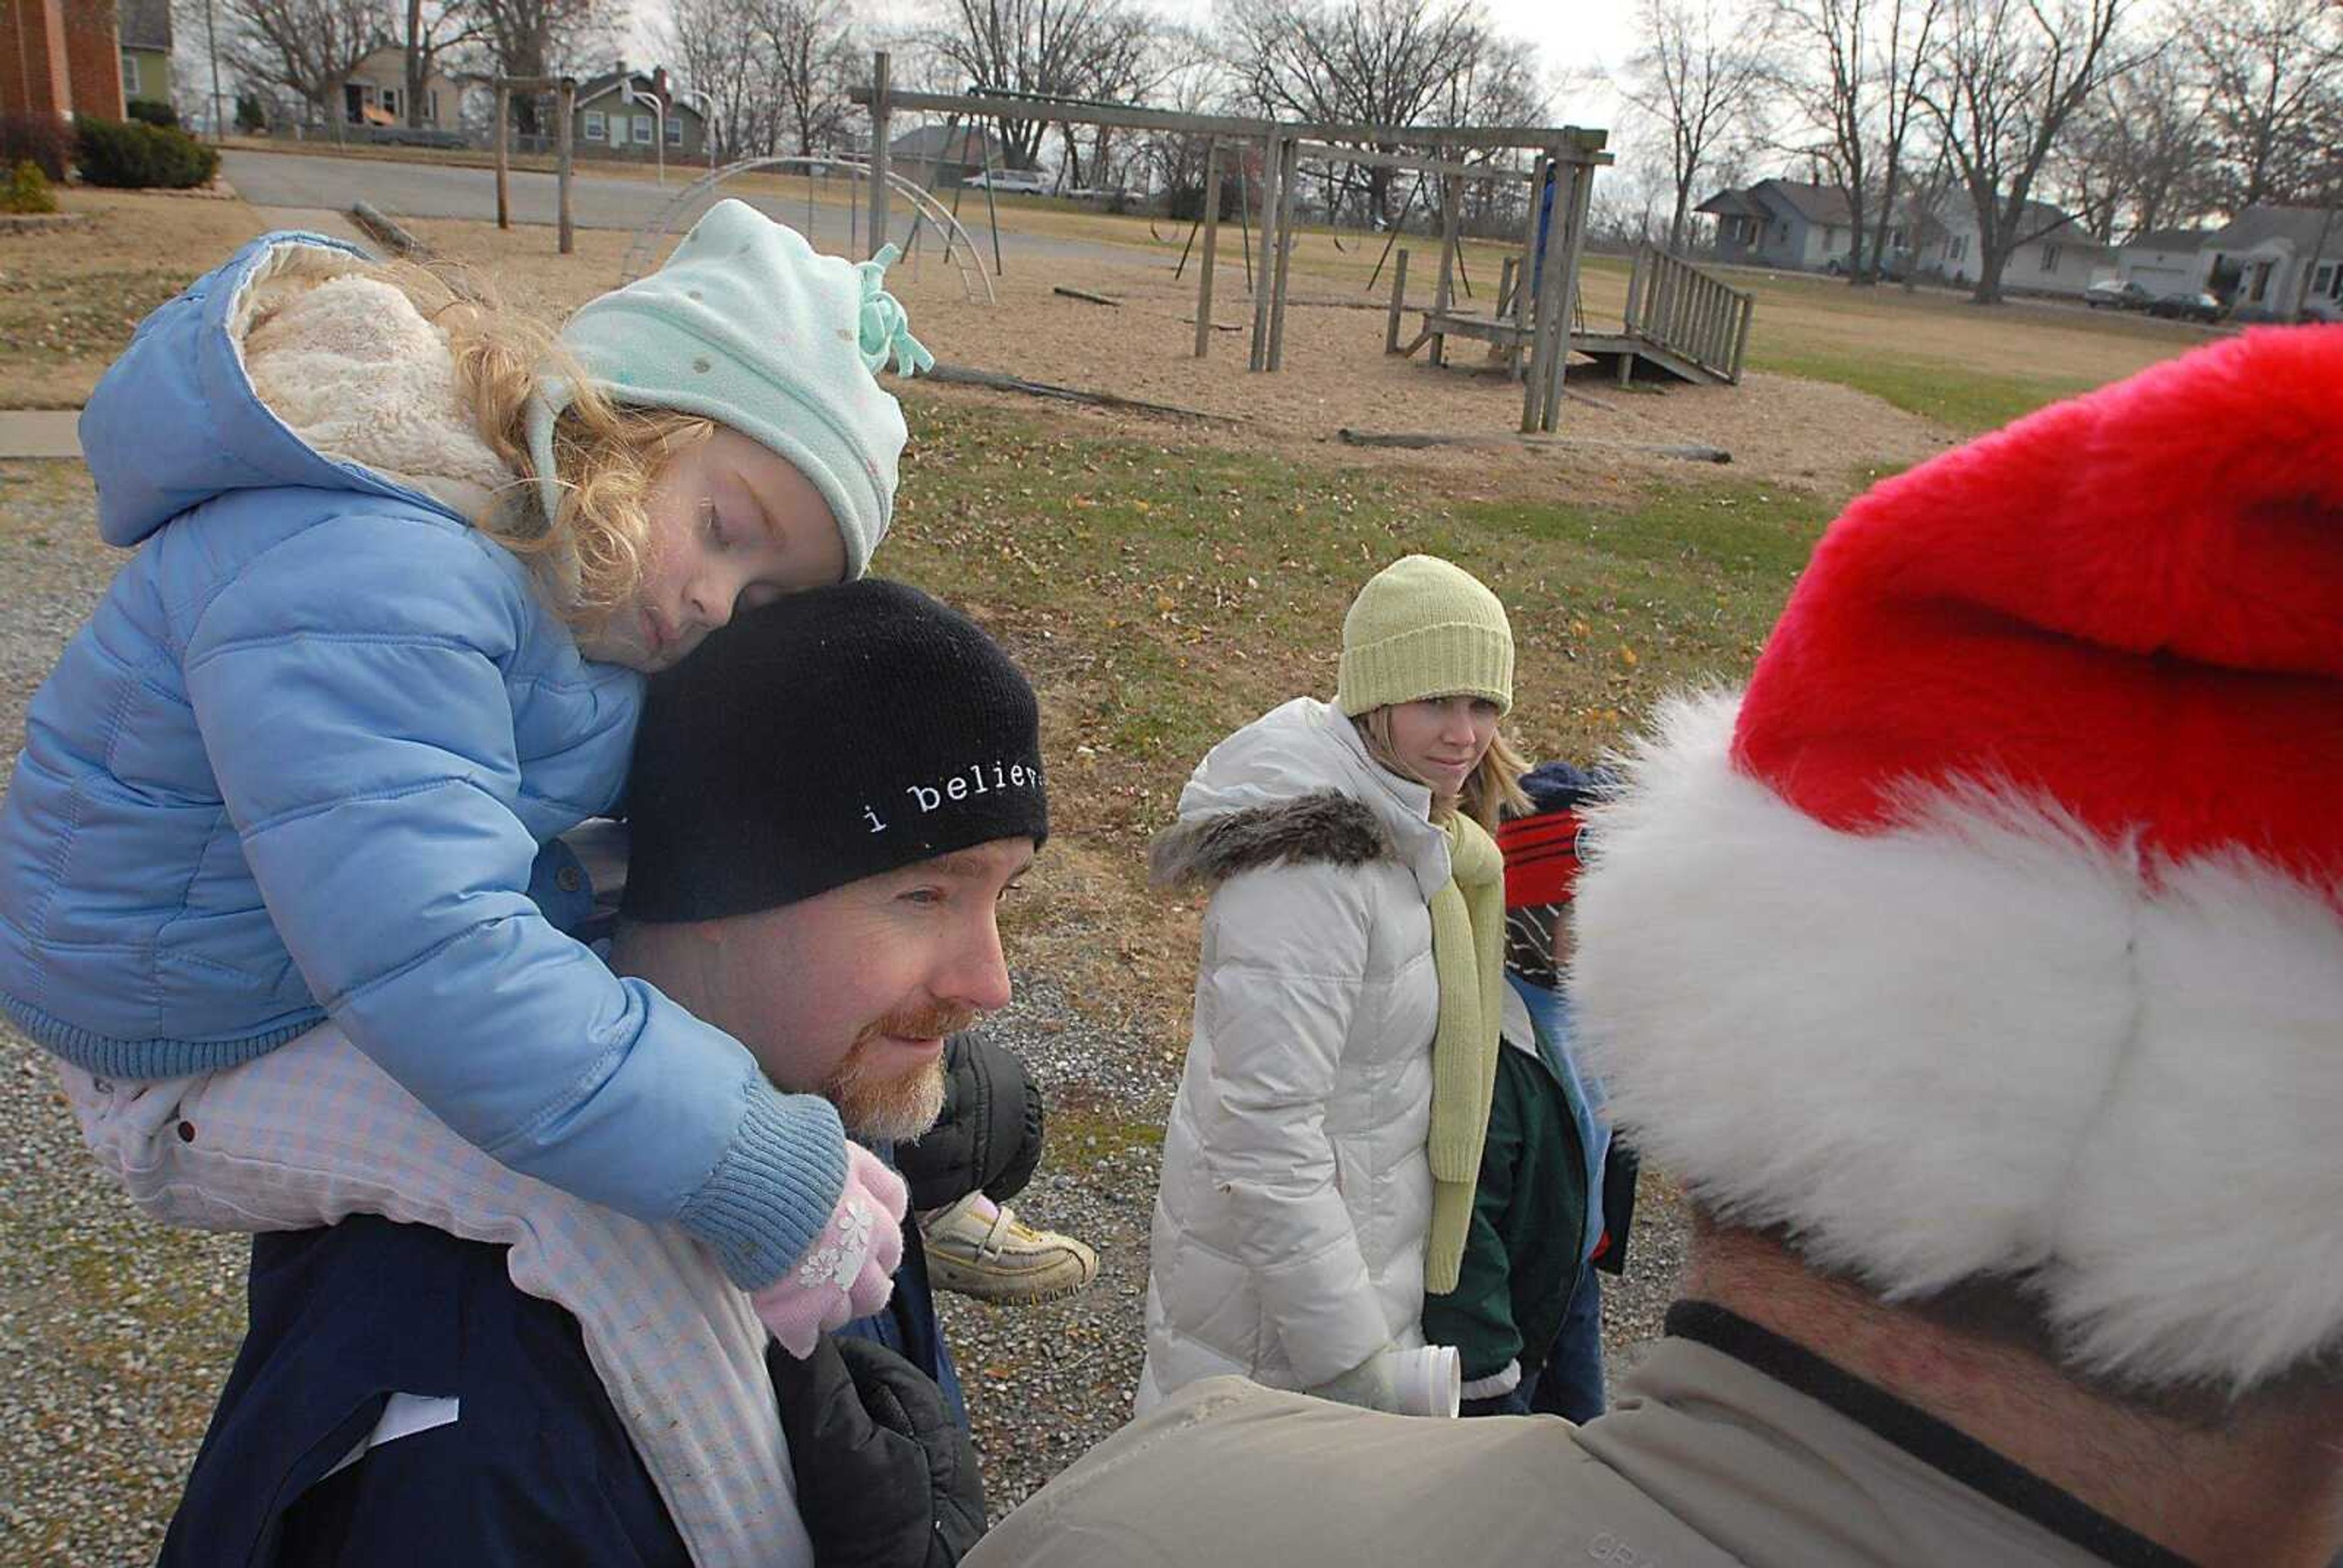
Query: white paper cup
{"points": [[1428, 1381]]}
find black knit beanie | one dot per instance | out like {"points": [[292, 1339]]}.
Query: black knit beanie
{"points": [[832, 736]]}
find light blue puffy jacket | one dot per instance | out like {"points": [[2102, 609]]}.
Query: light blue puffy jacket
{"points": [[299, 763]]}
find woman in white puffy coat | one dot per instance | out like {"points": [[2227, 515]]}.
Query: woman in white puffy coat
{"points": [[1291, 1229]]}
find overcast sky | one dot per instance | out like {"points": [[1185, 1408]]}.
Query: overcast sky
{"points": [[1589, 37]]}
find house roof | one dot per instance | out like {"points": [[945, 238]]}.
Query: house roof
{"points": [[144, 23], [2040, 220], [1815, 204], [387, 66], [2299, 226], [966, 144], [1731, 204], [2168, 239], [607, 84]]}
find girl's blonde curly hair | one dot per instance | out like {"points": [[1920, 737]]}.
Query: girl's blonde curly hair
{"points": [[592, 554]]}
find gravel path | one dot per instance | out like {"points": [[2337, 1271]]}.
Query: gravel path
{"points": [[116, 1335]]}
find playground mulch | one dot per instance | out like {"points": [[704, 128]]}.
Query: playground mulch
{"points": [[1811, 434]]}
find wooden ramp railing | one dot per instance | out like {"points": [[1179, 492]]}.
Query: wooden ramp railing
{"points": [[1689, 313]]}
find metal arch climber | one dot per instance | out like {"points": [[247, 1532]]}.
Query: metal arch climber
{"points": [[958, 247]]}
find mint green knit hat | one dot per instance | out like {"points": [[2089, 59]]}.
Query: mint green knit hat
{"points": [[1423, 628], [748, 325]]}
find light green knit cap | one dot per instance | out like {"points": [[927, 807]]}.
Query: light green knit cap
{"points": [[1423, 628], [748, 325]]}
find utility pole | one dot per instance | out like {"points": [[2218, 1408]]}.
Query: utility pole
{"points": [[211, 45]]}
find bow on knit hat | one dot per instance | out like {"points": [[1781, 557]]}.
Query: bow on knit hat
{"points": [[748, 325], [1994, 929], [836, 734]]}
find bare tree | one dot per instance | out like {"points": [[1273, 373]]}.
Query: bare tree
{"points": [[1854, 69], [717, 50], [307, 47], [1135, 55], [1173, 160], [2273, 72], [2140, 156], [2013, 74], [1700, 73], [1629, 201], [539, 38], [1041, 48], [810, 54], [1383, 63], [432, 31]]}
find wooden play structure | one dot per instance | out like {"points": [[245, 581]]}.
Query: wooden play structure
{"points": [[1680, 324], [1564, 158]]}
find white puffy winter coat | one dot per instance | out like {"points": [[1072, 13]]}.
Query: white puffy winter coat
{"points": [[1290, 1227]]}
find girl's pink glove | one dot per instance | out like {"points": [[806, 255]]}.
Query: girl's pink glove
{"points": [[849, 1271]]}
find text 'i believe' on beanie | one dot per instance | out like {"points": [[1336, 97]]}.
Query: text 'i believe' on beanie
{"points": [[836, 734]]}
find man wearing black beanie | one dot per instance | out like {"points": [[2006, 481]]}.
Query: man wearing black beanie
{"points": [[826, 802], [819, 836]]}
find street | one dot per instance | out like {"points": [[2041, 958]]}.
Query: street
{"points": [[436, 190]]}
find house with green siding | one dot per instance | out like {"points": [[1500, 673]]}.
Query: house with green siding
{"points": [[145, 28]]}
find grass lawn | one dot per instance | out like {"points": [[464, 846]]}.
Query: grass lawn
{"points": [[1163, 596]]}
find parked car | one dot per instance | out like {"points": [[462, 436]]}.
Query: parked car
{"points": [[1892, 270], [2193, 306], [2118, 294], [1010, 182]]}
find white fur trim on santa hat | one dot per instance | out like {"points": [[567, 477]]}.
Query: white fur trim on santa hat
{"points": [[1981, 1042]]}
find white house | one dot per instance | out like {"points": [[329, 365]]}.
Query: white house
{"points": [[2164, 261], [2054, 254], [2257, 262]]}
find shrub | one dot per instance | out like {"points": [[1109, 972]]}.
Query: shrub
{"points": [[43, 140], [152, 112], [28, 189], [250, 117], [130, 156]]}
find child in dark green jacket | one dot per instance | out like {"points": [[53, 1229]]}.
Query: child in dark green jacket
{"points": [[1540, 1220]]}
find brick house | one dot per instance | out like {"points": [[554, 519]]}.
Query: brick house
{"points": [[62, 57]]}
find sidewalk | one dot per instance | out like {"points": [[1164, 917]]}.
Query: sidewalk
{"points": [[40, 433]]}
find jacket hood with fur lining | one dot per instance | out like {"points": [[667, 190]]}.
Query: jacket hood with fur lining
{"points": [[1297, 786]]}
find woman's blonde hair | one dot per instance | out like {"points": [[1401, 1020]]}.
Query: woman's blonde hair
{"points": [[1493, 788], [593, 552]]}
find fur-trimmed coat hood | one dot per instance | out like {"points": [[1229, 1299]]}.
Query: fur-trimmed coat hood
{"points": [[1292, 787]]}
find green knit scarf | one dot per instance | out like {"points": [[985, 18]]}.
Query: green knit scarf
{"points": [[1468, 949]]}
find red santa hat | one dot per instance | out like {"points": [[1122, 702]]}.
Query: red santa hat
{"points": [[1995, 928]]}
